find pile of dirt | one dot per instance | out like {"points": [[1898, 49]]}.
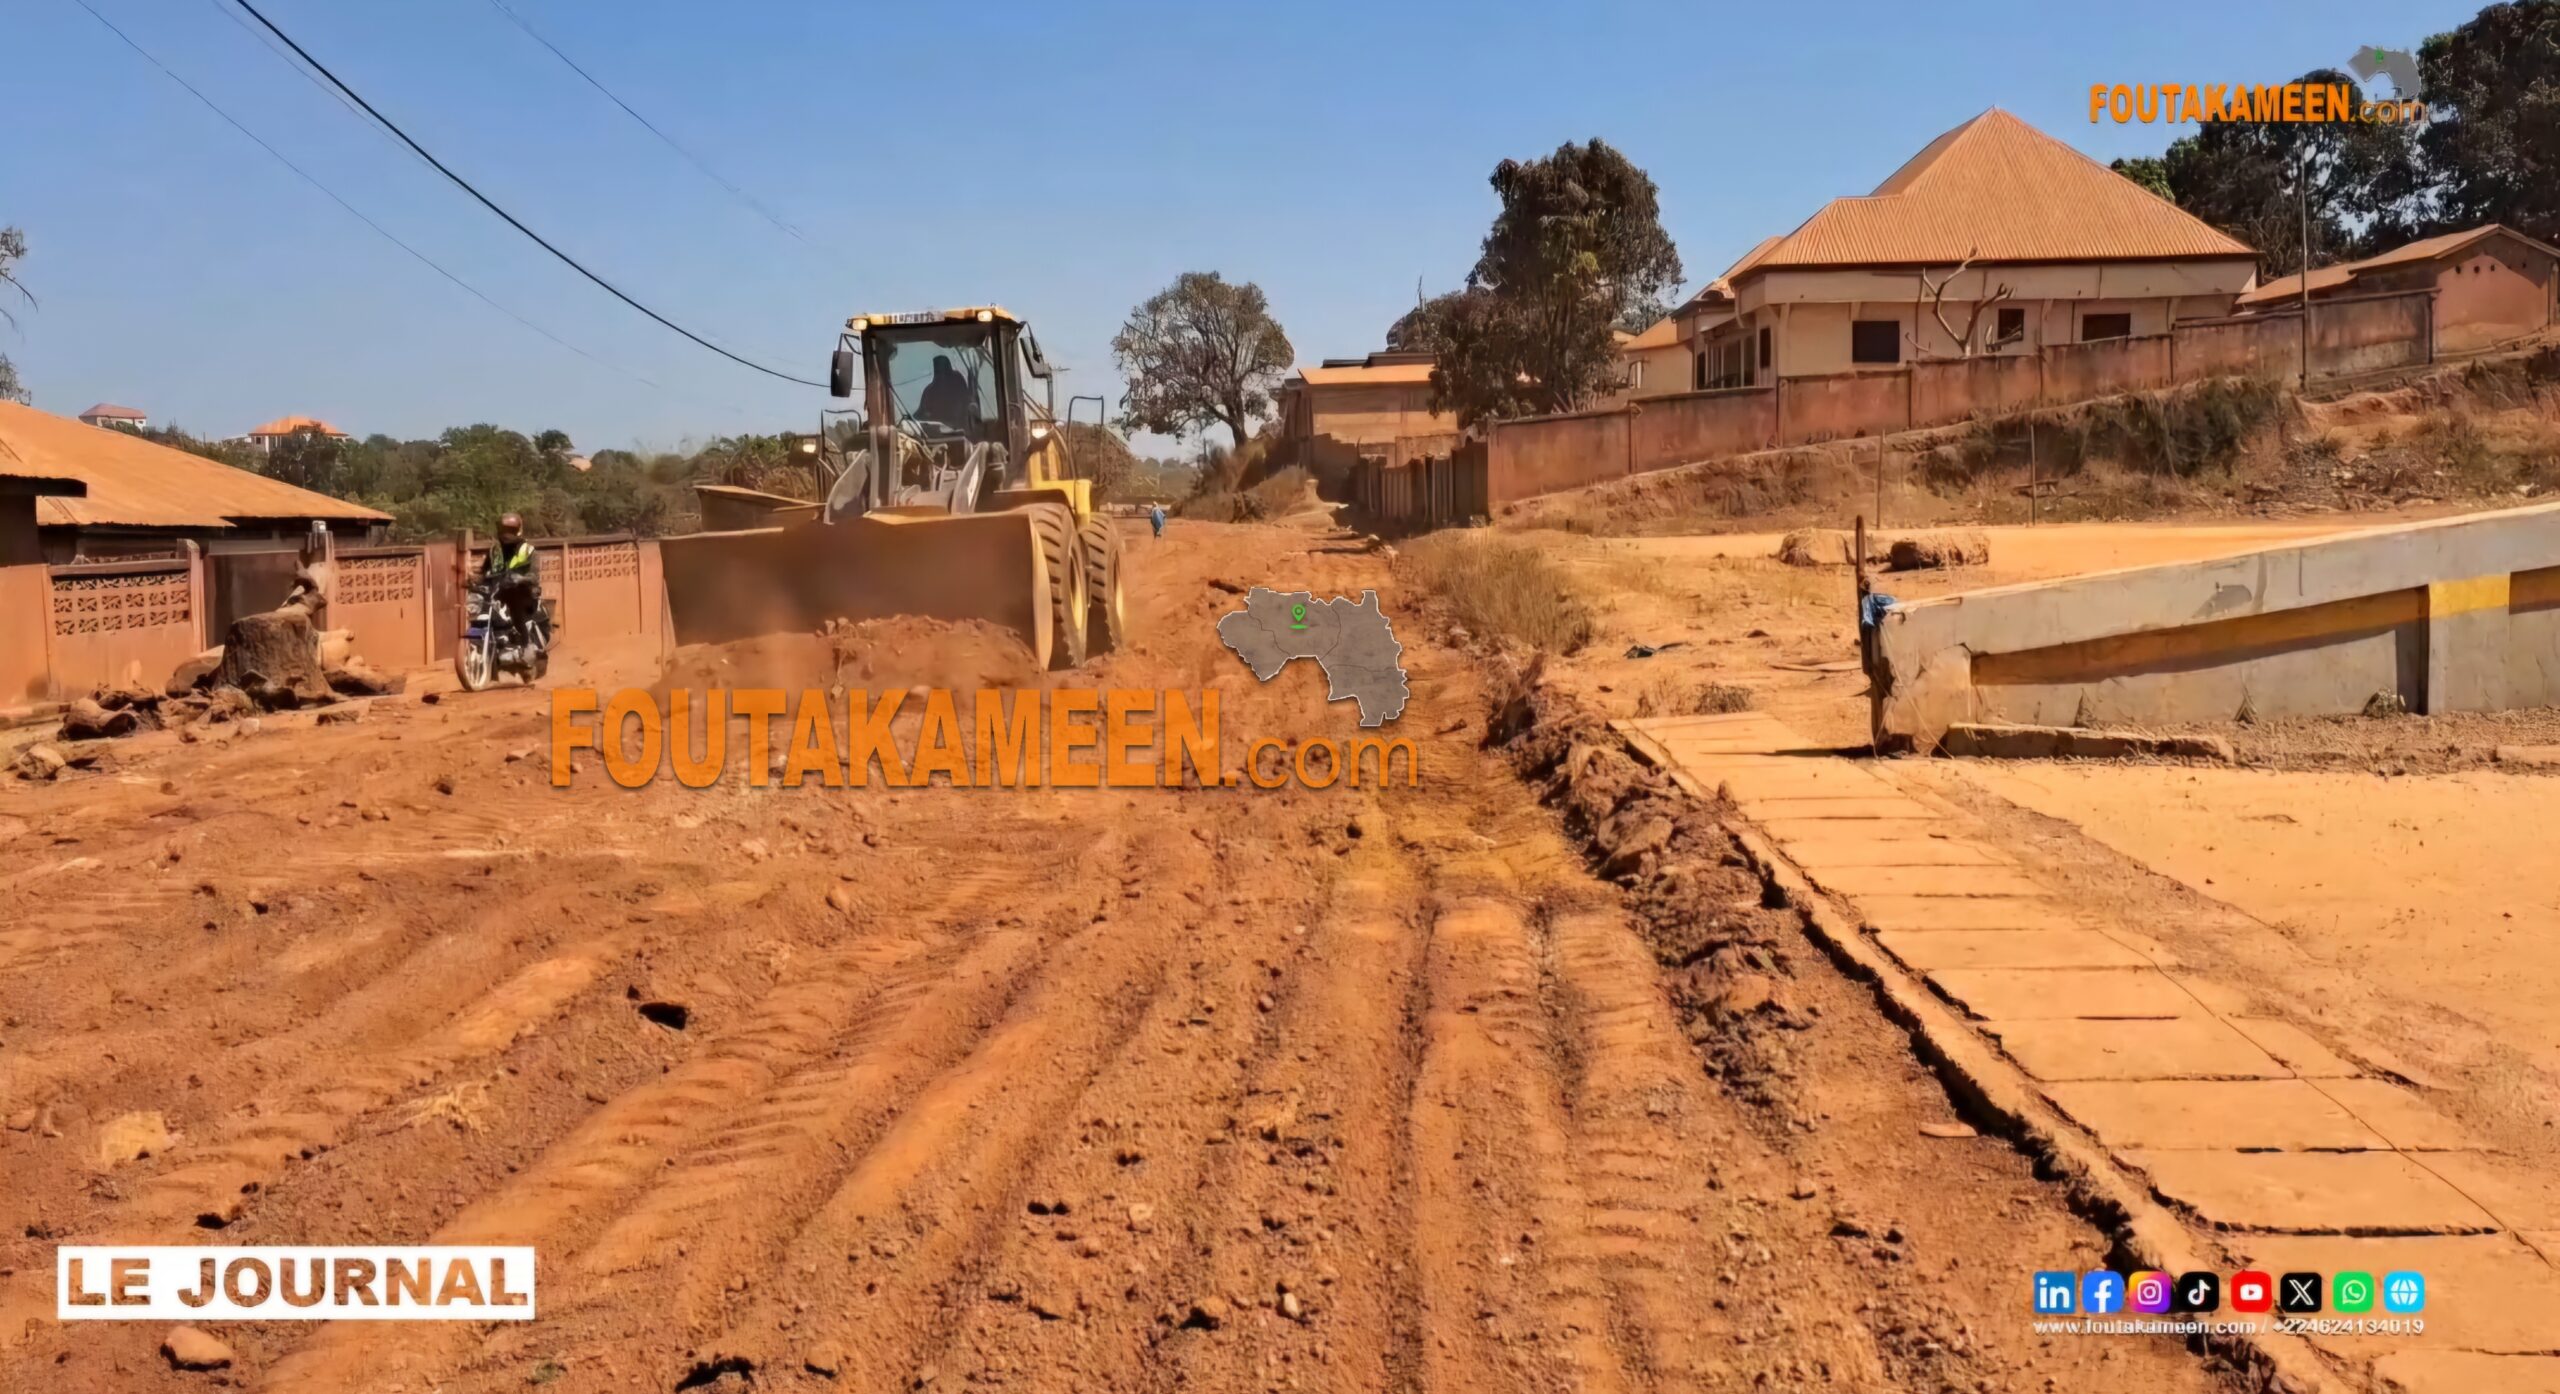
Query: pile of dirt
{"points": [[1694, 897], [903, 651], [1916, 551]]}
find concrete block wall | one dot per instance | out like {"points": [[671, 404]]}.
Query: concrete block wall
{"points": [[2456, 614]]}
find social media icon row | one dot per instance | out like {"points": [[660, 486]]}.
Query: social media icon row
{"points": [[2104, 1293]]}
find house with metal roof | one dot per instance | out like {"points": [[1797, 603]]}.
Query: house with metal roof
{"points": [[138, 498], [109, 414], [1994, 238], [1347, 409], [2491, 284], [265, 437]]}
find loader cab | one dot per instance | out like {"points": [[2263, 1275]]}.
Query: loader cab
{"points": [[969, 389]]}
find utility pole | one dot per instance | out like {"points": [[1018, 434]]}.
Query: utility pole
{"points": [[2302, 196]]}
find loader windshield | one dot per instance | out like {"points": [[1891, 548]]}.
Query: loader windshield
{"points": [[941, 380]]}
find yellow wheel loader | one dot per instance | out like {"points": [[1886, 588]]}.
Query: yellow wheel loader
{"points": [[955, 496]]}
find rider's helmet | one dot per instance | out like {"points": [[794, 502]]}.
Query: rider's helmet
{"points": [[511, 528]]}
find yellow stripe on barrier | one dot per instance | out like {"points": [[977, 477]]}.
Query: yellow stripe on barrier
{"points": [[2448, 598]]}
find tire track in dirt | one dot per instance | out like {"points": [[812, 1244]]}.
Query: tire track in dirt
{"points": [[1306, 1185], [1080, 1297], [913, 1215], [886, 996]]}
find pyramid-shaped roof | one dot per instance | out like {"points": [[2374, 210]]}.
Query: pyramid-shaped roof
{"points": [[1998, 190]]}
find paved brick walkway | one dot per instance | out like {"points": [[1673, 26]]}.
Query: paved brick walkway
{"points": [[2285, 1151]]}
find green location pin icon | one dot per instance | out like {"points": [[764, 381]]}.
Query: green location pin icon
{"points": [[1298, 616]]}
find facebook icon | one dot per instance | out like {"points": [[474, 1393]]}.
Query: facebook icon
{"points": [[2054, 1294], [2102, 1292]]}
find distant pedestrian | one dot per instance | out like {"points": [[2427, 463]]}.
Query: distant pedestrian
{"points": [[1155, 517]]}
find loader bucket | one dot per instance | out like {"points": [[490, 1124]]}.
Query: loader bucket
{"points": [[723, 586]]}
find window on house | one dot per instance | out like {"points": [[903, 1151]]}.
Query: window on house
{"points": [[1698, 371], [2010, 326], [2112, 326], [1764, 346], [1635, 375], [1875, 341]]}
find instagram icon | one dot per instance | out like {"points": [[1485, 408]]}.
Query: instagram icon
{"points": [[2148, 1292]]}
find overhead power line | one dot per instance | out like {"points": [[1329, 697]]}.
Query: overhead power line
{"points": [[510, 219], [646, 124], [359, 214]]}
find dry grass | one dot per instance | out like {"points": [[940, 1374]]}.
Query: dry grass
{"points": [[1502, 588], [1672, 694]]}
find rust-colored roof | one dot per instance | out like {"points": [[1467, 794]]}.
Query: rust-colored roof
{"points": [[110, 409], [287, 425], [1367, 375], [134, 483], [1662, 333], [2329, 278], [1998, 190]]}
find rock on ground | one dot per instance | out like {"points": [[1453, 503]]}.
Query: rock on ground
{"points": [[274, 658], [1931, 551], [87, 720], [191, 1348]]}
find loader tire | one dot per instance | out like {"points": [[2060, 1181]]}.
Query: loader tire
{"points": [[1106, 615], [1062, 553]]}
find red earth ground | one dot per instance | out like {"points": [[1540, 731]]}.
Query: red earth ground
{"points": [[1046, 1089]]}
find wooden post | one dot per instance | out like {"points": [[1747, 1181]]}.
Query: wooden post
{"points": [[2031, 471]]}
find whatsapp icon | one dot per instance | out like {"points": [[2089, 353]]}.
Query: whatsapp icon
{"points": [[2352, 1292]]}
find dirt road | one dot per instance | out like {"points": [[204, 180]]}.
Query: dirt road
{"points": [[1072, 1089]]}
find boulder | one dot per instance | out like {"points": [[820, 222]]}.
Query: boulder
{"points": [[274, 659], [353, 677], [87, 720], [194, 674], [1931, 551]]}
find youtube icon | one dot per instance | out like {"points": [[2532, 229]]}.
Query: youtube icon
{"points": [[2252, 1291]]}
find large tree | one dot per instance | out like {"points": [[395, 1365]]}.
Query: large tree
{"points": [[1200, 352], [2361, 183], [13, 245], [2492, 140], [1577, 251]]}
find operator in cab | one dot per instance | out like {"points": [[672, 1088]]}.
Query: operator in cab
{"points": [[947, 399]]}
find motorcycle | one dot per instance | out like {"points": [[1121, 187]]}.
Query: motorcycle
{"points": [[495, 642]]}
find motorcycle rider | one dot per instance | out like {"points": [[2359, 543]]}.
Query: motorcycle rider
{"points": [[514, 581]]}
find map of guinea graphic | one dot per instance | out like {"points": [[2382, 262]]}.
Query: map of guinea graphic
{"points": [[1349, 639]]}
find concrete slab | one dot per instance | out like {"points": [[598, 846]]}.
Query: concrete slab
{"points": [[1765, 811], [2333, 1192], [1918, 824], [1924, 949], [2196, 1047], [1816, 782], [2521, 1198], [1836, 852], [2469, 1372], [2278, 1114], [1925, 880], [2485, 1293], [2399, 1115], [2296, 1047], [2027, 994], [1883, 913]]}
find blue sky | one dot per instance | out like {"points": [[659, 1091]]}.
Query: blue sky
{"points": [[1065, 161]]}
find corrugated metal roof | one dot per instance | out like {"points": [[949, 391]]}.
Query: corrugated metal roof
{"points": [[135, 483], [1662, 333], [2325, 278], [110, 409], [1367, 375], [287, 425], [1998, 190]]}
